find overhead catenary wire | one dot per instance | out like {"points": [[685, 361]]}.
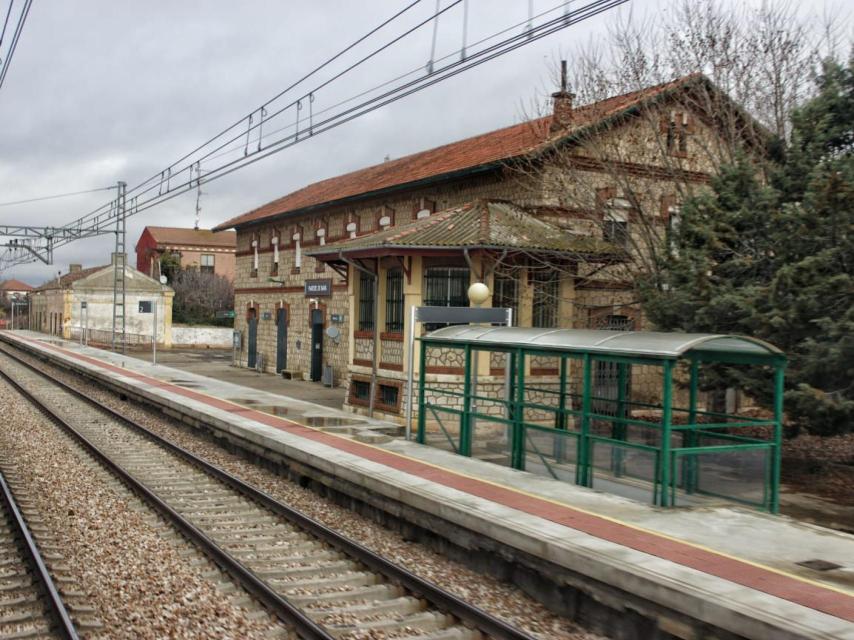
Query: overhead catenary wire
{"points": [[294, 104], [416, 70], [17, 35], [180, 181], [56, 196], [292, 86], [157, 180], [511, 43], [6, 21]]}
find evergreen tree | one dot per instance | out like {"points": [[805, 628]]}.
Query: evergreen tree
{"points": [[774, 258]]}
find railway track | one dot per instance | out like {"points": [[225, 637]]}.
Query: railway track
{"points": [[30, 604], [319, 582]]}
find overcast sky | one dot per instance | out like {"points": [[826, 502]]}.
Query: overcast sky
{"points": [[101, 91]]}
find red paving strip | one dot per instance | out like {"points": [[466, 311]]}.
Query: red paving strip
{"points": [[737, 571]]}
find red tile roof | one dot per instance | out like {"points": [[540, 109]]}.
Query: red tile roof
{"points": [[485, 149], [482, 224], [14, 285], [66, 280], [193, 237]]}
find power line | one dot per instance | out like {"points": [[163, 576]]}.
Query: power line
{"points": [[20, 27], [54, 197], [6, 21], [511, 43], [177, 180]]}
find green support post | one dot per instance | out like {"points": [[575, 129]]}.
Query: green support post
{"points": [[465, 418], [618, 428], [689, 463], [582, 472], [517, 458], [560, 416], [665, 463], [422, 413], [779, 391]]}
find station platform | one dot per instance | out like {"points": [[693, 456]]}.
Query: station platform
{"points": [[710, 572]]}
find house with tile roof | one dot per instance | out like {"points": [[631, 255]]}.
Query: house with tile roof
{"points": [[14, 289], [201, 249], [81, 300], [537, 211]]}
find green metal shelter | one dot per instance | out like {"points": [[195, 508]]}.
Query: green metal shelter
{"points": [[583, 424]]}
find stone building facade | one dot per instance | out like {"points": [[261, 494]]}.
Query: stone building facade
{"points": [[56, 306], [593, 172]]}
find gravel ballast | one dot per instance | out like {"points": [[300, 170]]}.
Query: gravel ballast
{"points": [[142, 580], [499, 598]]}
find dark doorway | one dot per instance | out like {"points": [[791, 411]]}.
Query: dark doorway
{"points": [[281, 340], [252, 342], [316, 344]]}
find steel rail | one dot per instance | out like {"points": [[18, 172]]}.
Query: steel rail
{"points": [[438, 597], [305, 627], [64, 625]]}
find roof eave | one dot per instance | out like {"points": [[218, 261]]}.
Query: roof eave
{"points": [[442, 177], [384, 249]]}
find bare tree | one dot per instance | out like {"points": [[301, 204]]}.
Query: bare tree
{"points": [[727, 79], [199, 295]]}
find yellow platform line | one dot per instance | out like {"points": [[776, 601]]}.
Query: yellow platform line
{"points": [[635, 527]]}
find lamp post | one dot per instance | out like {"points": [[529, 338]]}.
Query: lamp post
{"points": [[478, 293]]}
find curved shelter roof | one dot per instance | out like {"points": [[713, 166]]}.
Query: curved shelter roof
{"points": [[645, 344]]}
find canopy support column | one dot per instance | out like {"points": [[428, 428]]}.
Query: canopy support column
{"points": [[517, 453], [422, 404], [689, 463], [583, 475], [465, 418], [779, 391], [665, 462]]}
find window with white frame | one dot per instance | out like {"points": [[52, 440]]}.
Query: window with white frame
{"points": [[206, 263]]}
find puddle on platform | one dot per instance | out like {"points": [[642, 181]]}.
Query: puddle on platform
{"points": [[189, 384], [325, 421], [274, 409], [249, 401]]}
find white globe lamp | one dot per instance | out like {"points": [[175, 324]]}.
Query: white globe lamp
{"points": [[478, 293]]}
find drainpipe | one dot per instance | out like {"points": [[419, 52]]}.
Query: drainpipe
{"points": [[376, 278]]}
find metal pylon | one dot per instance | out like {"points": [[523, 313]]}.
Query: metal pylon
{"points": [[119, 264]]}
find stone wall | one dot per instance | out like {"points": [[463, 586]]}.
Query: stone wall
{"points": [[196, 336]]}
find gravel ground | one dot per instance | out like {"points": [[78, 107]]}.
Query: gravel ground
{"points": [[499, 598], [117, 554]]}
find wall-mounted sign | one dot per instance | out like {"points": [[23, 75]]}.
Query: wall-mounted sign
{"points": [[318, 288], [266, 315], [224, 314], [145, 306], [337, 317]]}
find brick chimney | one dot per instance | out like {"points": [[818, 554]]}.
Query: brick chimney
{"points": [[121, 258], [562, 100], [74, 268]]}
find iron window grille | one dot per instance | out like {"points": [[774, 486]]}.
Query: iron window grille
{"points": [[445, 287], [366, 302], [506, 293], [361, 390], [394, 301], [389, 395], [546, 286]]}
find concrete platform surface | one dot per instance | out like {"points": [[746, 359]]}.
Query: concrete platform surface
{"points": [[216, 363], [730, 568]]}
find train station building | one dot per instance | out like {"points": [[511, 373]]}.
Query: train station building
{"points": [[534, 210]]}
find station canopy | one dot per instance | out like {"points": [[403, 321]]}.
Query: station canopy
{"points": [[646, 344]]}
